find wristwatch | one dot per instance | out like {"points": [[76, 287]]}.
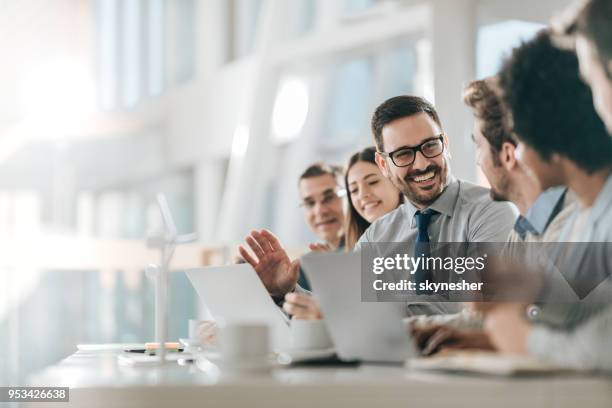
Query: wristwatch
{"points": [[532, 312]]}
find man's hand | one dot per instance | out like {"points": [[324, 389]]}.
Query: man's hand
{"points": [[436, 338], [271, 262], [302, 306], [507, 328]]}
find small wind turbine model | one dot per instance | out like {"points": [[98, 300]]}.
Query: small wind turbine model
{"points": [[166, 241]]}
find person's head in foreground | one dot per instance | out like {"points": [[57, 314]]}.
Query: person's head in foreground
{"points": [[412, 148], [589, 26], [552, 113], [370, 194], [319, 189], [510, 180], [563, 140]]}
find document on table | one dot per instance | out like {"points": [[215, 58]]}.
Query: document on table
{"points": [[491, 363]]}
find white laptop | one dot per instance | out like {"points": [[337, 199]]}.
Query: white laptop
{"points": [[235, 294], [366, 331]]}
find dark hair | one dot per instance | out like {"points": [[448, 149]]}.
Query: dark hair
{"points": [[355, 224], [322, 169], [593, 19], [551, 108], [488, 107], [399, 107]]}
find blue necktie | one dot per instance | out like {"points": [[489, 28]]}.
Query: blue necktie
{"points": [[421, 247], [522, 226]]}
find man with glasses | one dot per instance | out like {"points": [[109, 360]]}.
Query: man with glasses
{"points": [[321, 198], [413, 152]]}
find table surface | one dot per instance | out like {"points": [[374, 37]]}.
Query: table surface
{"points": [[96, 378]]}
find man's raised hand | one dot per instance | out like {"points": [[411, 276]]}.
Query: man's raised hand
{"points": [[271, 262]]}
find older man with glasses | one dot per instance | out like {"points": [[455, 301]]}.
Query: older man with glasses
{"points": [[320, 197]]}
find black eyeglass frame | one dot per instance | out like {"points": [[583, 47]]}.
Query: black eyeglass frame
{"points": [[415, 149]]}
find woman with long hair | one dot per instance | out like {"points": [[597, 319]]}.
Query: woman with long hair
{"points": [[370, 194]]}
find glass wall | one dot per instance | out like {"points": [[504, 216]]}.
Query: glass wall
{"points": [[84, 174], [358, 85], [495, 42]]}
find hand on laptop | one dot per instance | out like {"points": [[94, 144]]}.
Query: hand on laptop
{"points": [[302, 306], [271, 262], [507, 328], [437, 338]]}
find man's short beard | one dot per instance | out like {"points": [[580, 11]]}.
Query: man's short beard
{"points": [[419, 199], [497, 196], [503, 192]]}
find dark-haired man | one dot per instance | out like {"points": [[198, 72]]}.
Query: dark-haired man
{"points": [[564, 142], [543, 213], [413, 152], [589, 26]]}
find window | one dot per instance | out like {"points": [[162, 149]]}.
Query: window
{"points": [[185, 37], [396, 71], [107, 43], [131, 48], [359, 85], [349, 102], [495, 41], [306, 17], [155, 47], [131, 57], [355, 6], [245, 15]]}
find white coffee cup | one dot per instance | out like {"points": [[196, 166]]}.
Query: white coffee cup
{"points": [[244, 348], [309, 335]]}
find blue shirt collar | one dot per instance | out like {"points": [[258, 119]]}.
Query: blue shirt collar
{"points": [[545, 208]]}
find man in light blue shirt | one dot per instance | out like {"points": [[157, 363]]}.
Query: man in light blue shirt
{"points": [[565, 143]]}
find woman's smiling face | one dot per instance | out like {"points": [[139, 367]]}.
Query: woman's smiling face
{"points": [[372, 194]]}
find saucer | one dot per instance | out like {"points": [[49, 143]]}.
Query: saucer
{"points": [[298, 355]]}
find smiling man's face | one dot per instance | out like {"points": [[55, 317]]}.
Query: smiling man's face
{"points": [[425, 179], [322, 206]]}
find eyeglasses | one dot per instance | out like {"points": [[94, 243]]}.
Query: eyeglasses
{"points": [[405, 156], [328, 197]]}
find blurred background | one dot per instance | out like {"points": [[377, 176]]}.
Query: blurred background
{"points": [[220, 104]]}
